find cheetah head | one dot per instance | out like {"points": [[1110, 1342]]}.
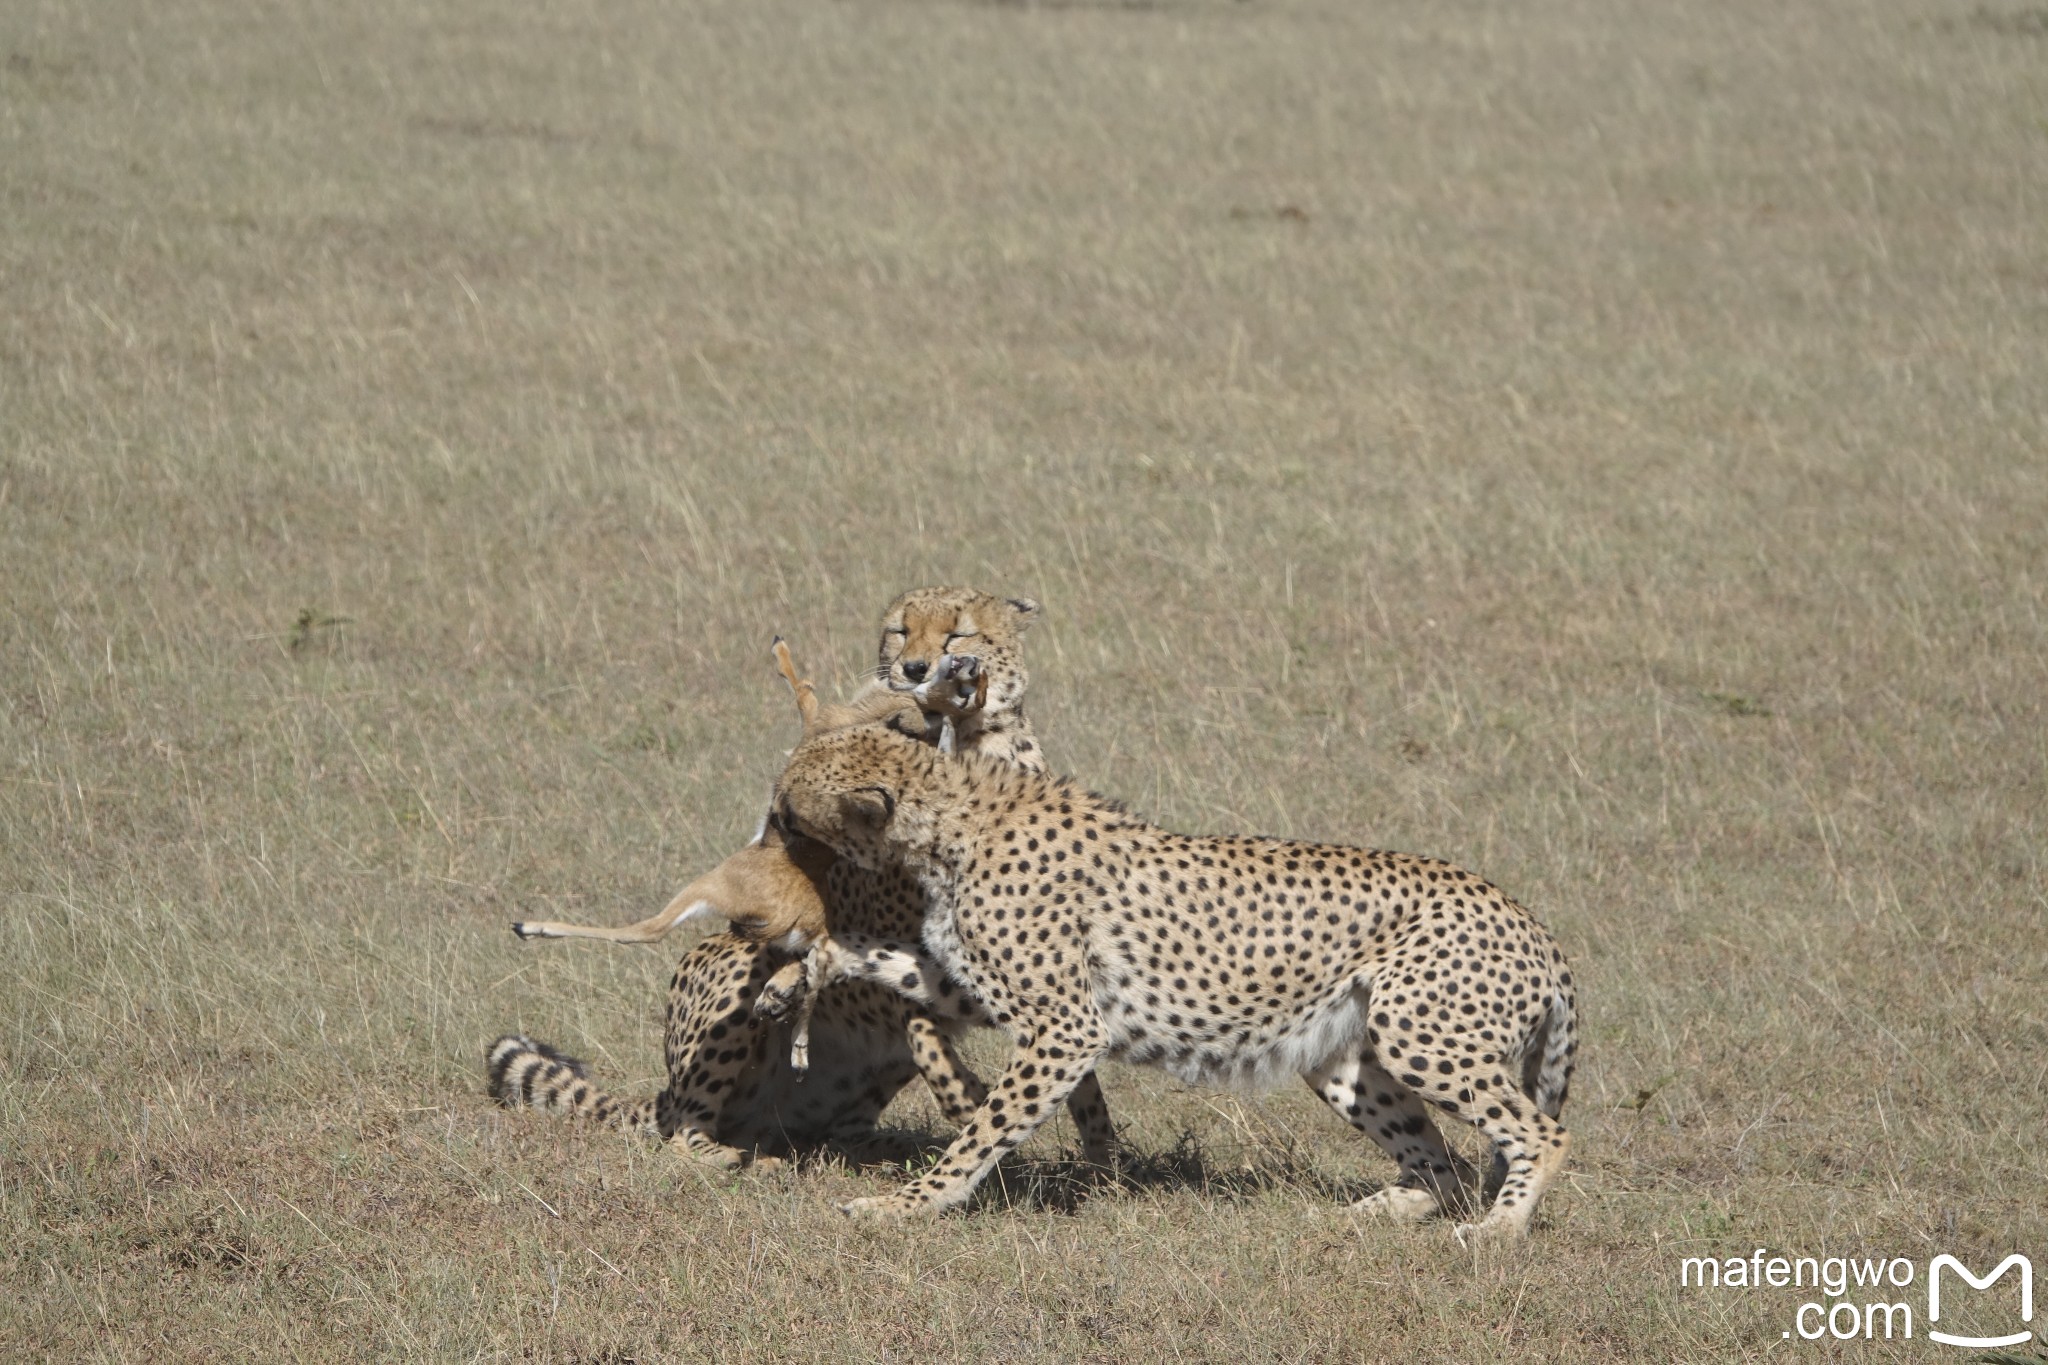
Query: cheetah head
{"points": [[857, 792], [926, 626]]}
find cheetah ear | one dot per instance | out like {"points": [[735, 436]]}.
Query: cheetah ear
{"points": [[1024, 611], [869, 807]]}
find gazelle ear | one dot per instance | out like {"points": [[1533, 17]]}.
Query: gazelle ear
{"points": [[869, 807], [1023, 611]]}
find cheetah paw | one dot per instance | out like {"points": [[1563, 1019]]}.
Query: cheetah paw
{"points": [[1399, 1204], [1489, 1233], [883, 1208], [723, 1157]]}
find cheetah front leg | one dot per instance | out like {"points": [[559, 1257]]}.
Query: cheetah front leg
{"points": [[1049, 1063], [793, 991], [920, 979], [906, 970], [958, 1091]]}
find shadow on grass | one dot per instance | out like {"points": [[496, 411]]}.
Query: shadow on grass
{"points": [[1062, 1184]]}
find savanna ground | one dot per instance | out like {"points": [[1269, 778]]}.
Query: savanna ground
{"points": [[1597, 442]]}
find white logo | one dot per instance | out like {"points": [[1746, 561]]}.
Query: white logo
{"points": [[1934, 1299]]}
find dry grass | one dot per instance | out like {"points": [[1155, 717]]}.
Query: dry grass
{"points": [[1600, 443]]}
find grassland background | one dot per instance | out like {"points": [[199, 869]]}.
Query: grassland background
{"points": [[1598, 442]]}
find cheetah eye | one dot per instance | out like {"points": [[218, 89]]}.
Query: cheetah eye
{"points": [[894, 630], [960, 635]]}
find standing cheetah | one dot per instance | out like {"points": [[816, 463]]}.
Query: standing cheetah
{"points": [[1391, 983], [732, 1091]]}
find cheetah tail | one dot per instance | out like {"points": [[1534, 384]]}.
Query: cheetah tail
{"points": [[524, 1073], [1560, 1045]]}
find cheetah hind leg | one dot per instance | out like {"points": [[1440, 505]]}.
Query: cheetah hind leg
{"points": [[1433, 1179], [1534, 1156]]}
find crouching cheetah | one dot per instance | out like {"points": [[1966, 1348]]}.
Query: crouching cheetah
{"points": [[732, 1092], [1391, 983]]}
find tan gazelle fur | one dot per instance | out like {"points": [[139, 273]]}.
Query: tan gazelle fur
{"points": [[765, 890]]}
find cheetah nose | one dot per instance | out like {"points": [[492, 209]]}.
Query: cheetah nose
{"points": [[915, 669]]}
